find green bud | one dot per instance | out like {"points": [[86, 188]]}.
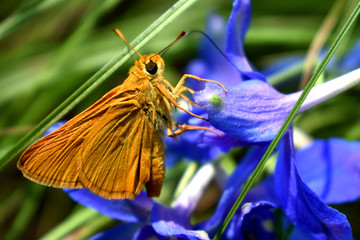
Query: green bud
{"points": [[216, 100]]}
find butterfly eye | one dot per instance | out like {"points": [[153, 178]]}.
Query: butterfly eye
{"points": [[151, 67]]}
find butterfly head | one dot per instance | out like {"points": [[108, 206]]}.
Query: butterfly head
{"points": [[152, 65]]}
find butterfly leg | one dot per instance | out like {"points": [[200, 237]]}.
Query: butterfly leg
{"points": [[180, 94], [184, 128], [191, 103], [173, 101], [179, 87], [183, 89]]}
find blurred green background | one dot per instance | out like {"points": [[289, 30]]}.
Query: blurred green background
{"points": [[50, 48]]}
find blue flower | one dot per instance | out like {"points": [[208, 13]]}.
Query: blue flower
{"points": [[252, 111], [213, 65], [300, 202], [134, 211]]}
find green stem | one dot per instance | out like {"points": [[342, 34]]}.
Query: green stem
{"points": [[319, 70]]}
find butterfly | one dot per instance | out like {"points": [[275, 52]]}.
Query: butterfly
{"points": [[115, 147]]}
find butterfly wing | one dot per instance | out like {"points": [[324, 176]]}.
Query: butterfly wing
{"points": [[118, 155], [54, 159], [109, 148]]}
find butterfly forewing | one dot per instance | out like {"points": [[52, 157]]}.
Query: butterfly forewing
{"points": [[58, 168], [108, 148]]}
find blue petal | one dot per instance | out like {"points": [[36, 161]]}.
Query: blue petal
{"points": [[54, 127], [331, 169], [258, 221], [190, 145], [255, 221], [264, 191], [252, 112], [301, 204], [147, 232], [172, 222], [212, 64], [198, 145], [233, 188], [238, 25], [122, 231], [137, 210]]}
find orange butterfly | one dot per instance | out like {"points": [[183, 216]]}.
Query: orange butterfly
{"points": [[114, 148]]}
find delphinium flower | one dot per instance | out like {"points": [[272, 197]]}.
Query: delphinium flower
{"points": [[300, 204], [250, 113]]}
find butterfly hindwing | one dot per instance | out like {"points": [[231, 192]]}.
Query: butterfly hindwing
{"points": [[117, 155]]}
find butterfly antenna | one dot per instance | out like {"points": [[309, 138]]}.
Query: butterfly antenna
{"points": [[182, 34], [216, 46], [117, 31]]}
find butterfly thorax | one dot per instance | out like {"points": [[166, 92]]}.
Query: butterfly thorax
{"points": [[146, 76]]}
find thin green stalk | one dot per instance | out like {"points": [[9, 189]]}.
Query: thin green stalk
{"points": [[76, 220], [98, 78], [95, 226], [319, 40], [319, 70]]}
